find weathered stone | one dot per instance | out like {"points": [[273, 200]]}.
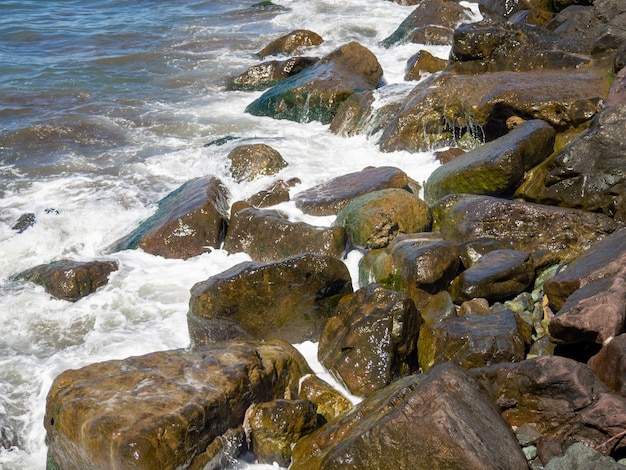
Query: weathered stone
{"points": [[590, 174], [578, 456], [497, 275], [444, 107], [444, 156], [438, 420], [330, 403], [421, 64], [594, 313], [602, 260], [188, 222], [561, 397], [331, 196], [617, 92], [273, 427], [267, 235], [477, 306], [276, 193], [292, 42], [357, 115], [290, 299], [428, 12], [247, 162], [221, 451], [550, 234], [610, 364], [533, 17], [70, 280], [496, 168], [472, 251], [161, 410], [433, 35], [374, 219], [474, 340], [371, 340], [439, 308], [502, 9], [24, 222], [315, 93], [267, 74]]}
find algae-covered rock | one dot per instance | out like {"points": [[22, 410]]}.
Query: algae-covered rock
{"points": [[251, 161], [267, 74], [330, 403]]}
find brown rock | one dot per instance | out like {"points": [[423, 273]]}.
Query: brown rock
{"points": [[292, 42], [421, 64], [267, 74], [610, 364], [247, 162], [330, 403], [276, 193]]}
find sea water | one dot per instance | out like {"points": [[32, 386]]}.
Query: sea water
{"points": [[107, 106]]}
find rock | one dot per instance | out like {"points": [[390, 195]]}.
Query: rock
{"points": [[289, 299], [445, 156], [330, 403], [497, 275], [533, 17], [163, 409], [267, 74], [610, 364], [421, 64], [441, 13], [590, 174], [70, 280], [602, 260], [474, 340], [496, 168], [473, 250], [561, 397], [370, 342], [331, 196], [617, 92], [490, 8], [315, 93], [275, 426], [594, 313], [358, 115], [443, 108], [24, 222], [222, 451], [247, 162], [432, 35], [438, 420], [550, 234], [581, 457], [276, 193], [476, 306], [267, 235], [374, 219], [292, 43], [439, 308], [187, 223]]}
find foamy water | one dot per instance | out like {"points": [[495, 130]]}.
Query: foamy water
{"points": [[90, 156]]}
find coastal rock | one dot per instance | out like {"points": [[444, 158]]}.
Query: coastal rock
{"points": [[315, 93], [496, 168], [24, 222], [371, 340], [267, 74], [590, 174], [562, 398], [187, 223], [497, 275], [444, 13], [330, 403], [550, 234], [276, 193], [70, 280], [289, 299], [610, 364], [444, 107], [439, 308], [442, 419], [498, 8], [273, 427], [291, 43], [421, 64], [374, 219], [474, 340], [267, 235], [602, 260], [330, 197], [358, 115], [579, 456], [473, 250], [163, 409], [247, 162]]}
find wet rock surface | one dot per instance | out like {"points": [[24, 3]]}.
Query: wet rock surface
{"points": [[292, 42], [267, 74], [251, 161]]}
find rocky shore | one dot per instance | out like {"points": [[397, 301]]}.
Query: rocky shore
{"points": [[488, 329]]}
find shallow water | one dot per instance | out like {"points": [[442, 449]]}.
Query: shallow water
{"points": [[106, 107]]}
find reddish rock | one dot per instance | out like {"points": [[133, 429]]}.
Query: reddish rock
{"points": [[610, 364]]}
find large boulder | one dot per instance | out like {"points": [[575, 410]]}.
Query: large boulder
{"points": [[442, 419], [561, 398], [267, 74], [550, 234], [289, 299], [330, 197], [590, 173], [267, 235], [474, 340], [163, 409], [291, 43], [496, 168], [371, 340], [374, 219], [188, 222], [315, 93], [248, 162], [70, 280]]}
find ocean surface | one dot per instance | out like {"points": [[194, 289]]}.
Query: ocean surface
{"points": [[105, 108]]}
